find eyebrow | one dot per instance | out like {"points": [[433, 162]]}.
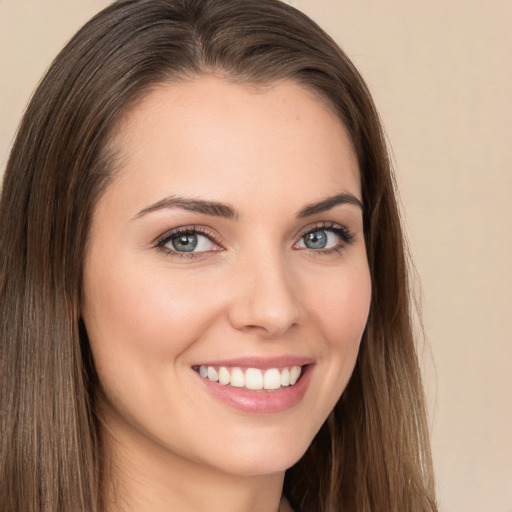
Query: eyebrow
{"points": [[226, 211], [193, 205], [328, 203]]}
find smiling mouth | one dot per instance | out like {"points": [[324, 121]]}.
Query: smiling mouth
{"points": [[253, 379]]}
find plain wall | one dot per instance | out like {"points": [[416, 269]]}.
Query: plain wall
{"points": [[441, 76]]}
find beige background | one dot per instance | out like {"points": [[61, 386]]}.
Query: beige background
{"points": [[441, 76]]}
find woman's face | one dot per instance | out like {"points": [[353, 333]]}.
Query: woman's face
{"points": [[229, 246]]}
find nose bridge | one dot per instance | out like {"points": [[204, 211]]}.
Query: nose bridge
{"points": [[266, 297]]}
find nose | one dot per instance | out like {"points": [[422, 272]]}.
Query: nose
{"points": [[266, 300]]}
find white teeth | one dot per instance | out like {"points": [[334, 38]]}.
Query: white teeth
{"points": [[285, 377], [253, 378], [224, 376], [272, 379], [294, 374], [237, 378], [212, 374]]}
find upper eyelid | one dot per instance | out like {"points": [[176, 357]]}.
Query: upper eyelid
{"points": [[322, 225]]}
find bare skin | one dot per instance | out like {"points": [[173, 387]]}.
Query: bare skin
{"points": [[232, 232]]}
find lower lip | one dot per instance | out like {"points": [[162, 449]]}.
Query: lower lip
{"points": [[261, 401]]}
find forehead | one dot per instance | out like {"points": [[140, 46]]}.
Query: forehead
{"points": [[199, 135]]}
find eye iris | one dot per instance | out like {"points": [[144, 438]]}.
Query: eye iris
{"points": [[186, 242], [316, 240]]}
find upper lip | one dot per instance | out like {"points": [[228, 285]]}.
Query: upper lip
{"points": [[261, 362]]}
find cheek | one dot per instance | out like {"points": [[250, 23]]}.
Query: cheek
{"points": [[342, 306], [140, 326], [143, 311], [341, 311]]}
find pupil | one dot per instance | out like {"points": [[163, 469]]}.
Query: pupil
{"points": [[316, 240], [185, 242]]}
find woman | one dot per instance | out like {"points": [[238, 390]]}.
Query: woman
{"points": [[203, 282]]}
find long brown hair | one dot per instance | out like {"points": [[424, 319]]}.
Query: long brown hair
{"points": [[372, 454]]}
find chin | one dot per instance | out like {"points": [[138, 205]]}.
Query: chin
{"points": [[260, 458]]}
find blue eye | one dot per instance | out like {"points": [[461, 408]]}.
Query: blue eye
{"points": [[316, 239], [184, 242], [181, 242], [324, 238]]}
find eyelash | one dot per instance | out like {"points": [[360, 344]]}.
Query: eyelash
{"points": [[342, 232], [346, 237], [164, 239]]}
